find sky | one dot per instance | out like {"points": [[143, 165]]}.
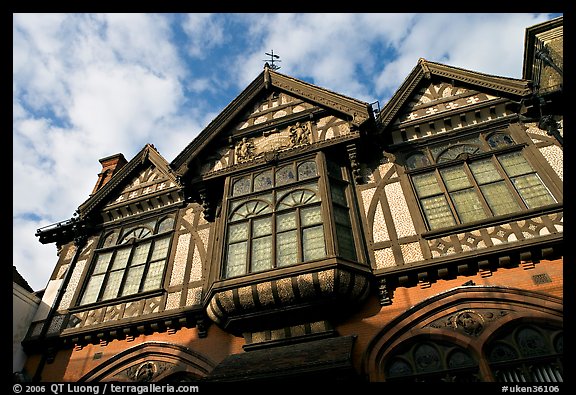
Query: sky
{"points": [[87, 86]]}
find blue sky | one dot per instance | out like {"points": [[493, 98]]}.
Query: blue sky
{"points": [[87, 86]]}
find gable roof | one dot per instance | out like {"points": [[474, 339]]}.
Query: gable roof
{"points": [[67, 230], [357, 110], [147, 154], [426, 69]]}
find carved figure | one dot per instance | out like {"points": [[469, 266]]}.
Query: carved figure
{"points": [[299, 134], [244, 150]]}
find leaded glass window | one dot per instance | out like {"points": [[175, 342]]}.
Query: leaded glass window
{"points": [[265, 233], [475, 188], [129, 261], [278, 218]]}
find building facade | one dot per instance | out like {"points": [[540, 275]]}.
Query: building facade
{"points": [[305, 234]]}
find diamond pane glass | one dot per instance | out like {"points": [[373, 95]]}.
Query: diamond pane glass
{"points": [[338, 194], [468, 205], [499, 198], [160, 248], [102, 263], [236, 261], [484, 171], [262, 254], [313, 244], [515, 164], [455, 178], [310, 216], [154, 276], [437, 212], [113, 285], [426, 185], [121, 258], [261, 227], [92, 289], [346, 246], [133, 280], [287, 248], [238, 232], [533, 192], [286, 221], [140, 254]]}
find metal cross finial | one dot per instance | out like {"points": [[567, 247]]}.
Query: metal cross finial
{"points": [[273, 58]]}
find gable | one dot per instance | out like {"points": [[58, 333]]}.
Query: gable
{"points": [[276, 124], [144, 184], [273, 115], [436, 98]]}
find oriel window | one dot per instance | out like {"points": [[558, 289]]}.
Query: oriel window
{"points": [[277, 218]]}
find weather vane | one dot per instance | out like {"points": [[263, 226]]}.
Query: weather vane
{"points": [[273, 58]]}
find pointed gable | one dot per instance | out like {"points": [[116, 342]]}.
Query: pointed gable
{"points": [[433, 92], [274, 113], [145, 183]]}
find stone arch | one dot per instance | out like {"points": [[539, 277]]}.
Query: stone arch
{"points": [[152, 362], [467, 316]]}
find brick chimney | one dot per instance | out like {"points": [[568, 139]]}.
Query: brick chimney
{"points": [[110, 165]]}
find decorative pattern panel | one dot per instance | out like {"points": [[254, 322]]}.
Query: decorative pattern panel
{"points": [[180, 259], [512, 232], [423, 104], [399, 210], [555, 157], [148, 182], [384, 258]]}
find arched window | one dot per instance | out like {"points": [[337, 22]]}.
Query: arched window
{"points": [[432, 361], [130, 261], [527, 353], [277, 217]]}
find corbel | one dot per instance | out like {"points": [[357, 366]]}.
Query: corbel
{"points": [[384, 293], [353, 156]]}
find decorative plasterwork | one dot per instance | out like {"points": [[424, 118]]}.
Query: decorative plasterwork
{"points": [[281, 295], [428, 70]]}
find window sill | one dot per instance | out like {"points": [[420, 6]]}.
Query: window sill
{"points": [[123, 299], [493, 221]]}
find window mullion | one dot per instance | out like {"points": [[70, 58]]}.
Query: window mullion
{"points": [[127, 268], [479, 193], [106, 275], [444, 190], [508, 182], [274, 232], [249, 243]]}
